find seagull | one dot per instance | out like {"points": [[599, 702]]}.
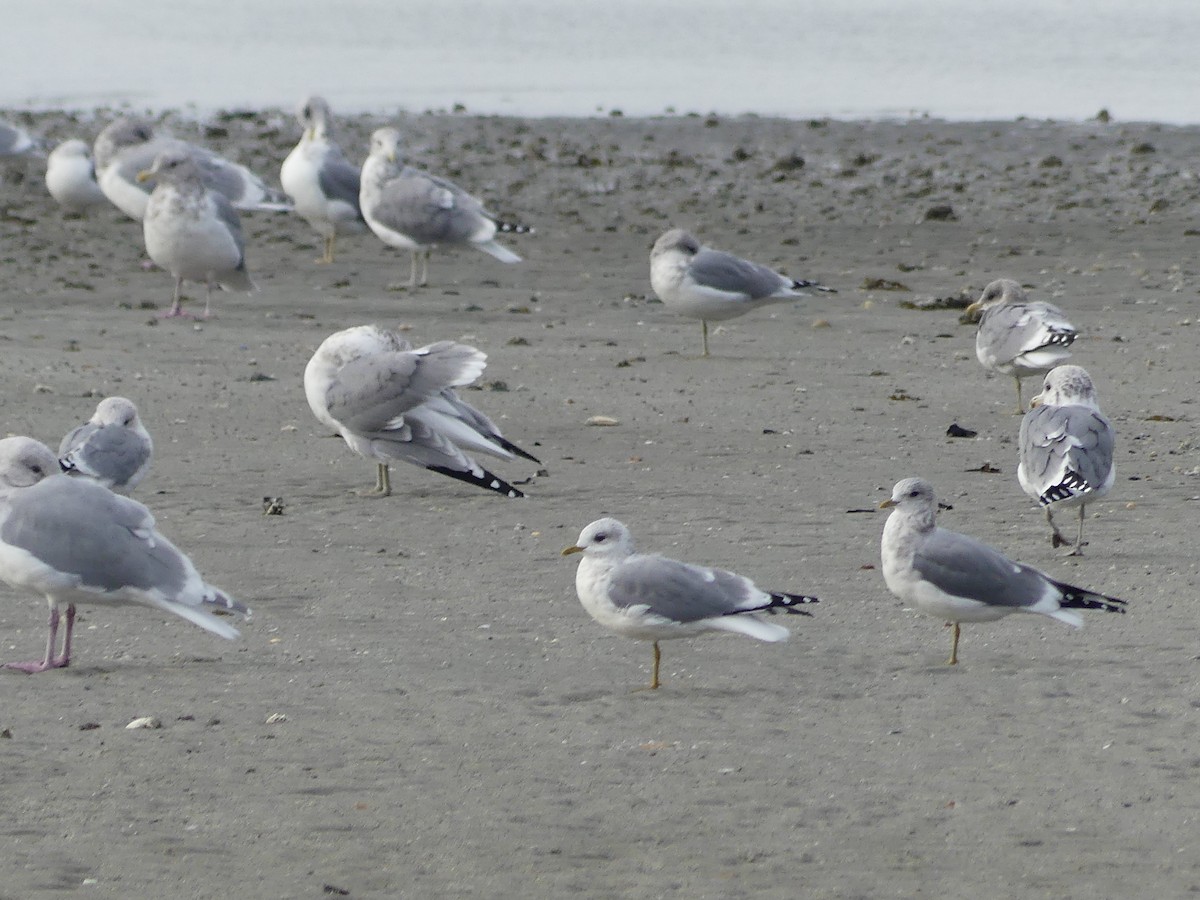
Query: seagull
{"points": [[15, 140], [1066, 447], [413, 210], [710, 285], [957, 578], [320, 181], [112, 447], [192, 231], [652, 598], [390, 402], [71, 177], [1018, 336], [129, 146], [74, 541]]}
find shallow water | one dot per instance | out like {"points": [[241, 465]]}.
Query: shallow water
{"points": [[799, 58]]}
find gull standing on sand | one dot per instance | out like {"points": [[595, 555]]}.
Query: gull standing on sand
{"points": [[413, 210], [73, 541], [954, 577], [113, 447], [1018, 336], [709, 285], [392, 403], [652, 598], [128, 146], [1066, 448], [71, 177], [193, 232], [320, 181]]}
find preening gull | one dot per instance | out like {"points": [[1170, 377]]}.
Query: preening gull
{"points": [[129, 146], [73, 541], [413, 210], [391, 402], [192, 231], [1066, 448], [113, 447], [320, 181], [71, 177], [1018, 336], [710, 285], [652, 598], [959, 579]]}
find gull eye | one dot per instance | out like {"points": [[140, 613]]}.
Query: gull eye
{"points": [[600, 538]]}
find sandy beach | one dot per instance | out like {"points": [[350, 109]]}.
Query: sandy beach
{"points": [[420, 707]]}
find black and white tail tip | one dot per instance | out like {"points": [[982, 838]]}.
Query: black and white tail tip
{"points": [[787, 602], [1072, 484], [798, 285], [482, 478], [1081, 598], [513, 227], [225, 604], [513, 448]]}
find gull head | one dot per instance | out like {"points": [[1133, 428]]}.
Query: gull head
{"points": [[385, 143], [175, 165], [23, 463], [1067, 386], [1002, 290], [314, 115], [603, 538], [675, 240], [116, 411], [911, 495]]}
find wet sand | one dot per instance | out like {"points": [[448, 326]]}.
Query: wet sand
{"points": [[421, 708]]}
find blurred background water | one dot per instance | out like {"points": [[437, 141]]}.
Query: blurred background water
{"points": [[952, 59]]}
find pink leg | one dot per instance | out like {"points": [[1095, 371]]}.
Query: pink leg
{"points": [[49, 661], [176, 310]]}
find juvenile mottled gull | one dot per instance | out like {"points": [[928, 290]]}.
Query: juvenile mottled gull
{"points": [[73, 541], [112, 447], [320, 181], [129, 146], [709, 285], [1066, 448], [193, 232], [71, 177], [1018, 336], [652, 598], [413, 210], [391, 402], [15, 140], [957, 578]]}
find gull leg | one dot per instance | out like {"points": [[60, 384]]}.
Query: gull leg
{"points": [[1056, 538], [425, 267], [176, 310], [327, 258], [412, 270], [953, 660], [1020, 406], [704, 327], [383, 483], [33, 666], [654, 682], [65, 660], [207, 300], [1077, 550]]}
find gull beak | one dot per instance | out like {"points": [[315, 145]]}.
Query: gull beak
{"points": [[144, 175], [887, 504], [1035, 401], [567, 551]]}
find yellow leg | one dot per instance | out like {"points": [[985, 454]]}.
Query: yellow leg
{"points": [[654, 682], [383, 483], [1020, 406], [328, 257], [953, 660], [704, 325]]}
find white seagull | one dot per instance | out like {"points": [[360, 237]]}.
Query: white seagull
{"points": [[652, 598], [320, 181], [113, 447], [710, 285], [71, 177], [192, 231], [392, 403], [956, 578], [413, 210], [1066, 448], [1018, 336], [129, 146], [73, 541]]}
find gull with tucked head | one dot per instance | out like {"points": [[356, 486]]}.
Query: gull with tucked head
{"points": [[711, 285], [113, 447], [1066, 448], [954, 577], [652, 598], [415, 211], [71, 177]]}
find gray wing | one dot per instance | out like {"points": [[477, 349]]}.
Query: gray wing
{"points": [[964, 567], [679, 591], [429, 210], [109, 452], [1061, 445], [338, 179], [371, 394], [75, 438], [480, 423], [726, 272], [138, 158], [229, 217], [1010, 329], [86, 531]]}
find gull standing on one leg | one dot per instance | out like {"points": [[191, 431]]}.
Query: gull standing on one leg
{"points": [[1066, 448]]}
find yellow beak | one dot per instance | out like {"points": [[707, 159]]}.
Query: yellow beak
{"points": [[567, 551], [144, 175], [887, 504]]}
